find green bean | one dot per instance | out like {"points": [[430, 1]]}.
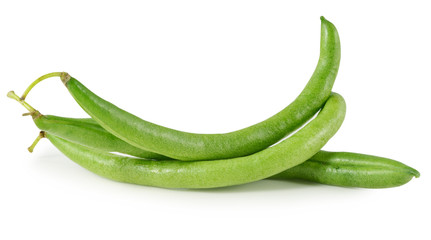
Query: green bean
{"points": [[351, 170], [341, 169], [217, 173], [191, 146], [332, 168]]}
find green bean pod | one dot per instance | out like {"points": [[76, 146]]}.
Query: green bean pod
{"points": [[332, 168], [191, 146], [217, 173], [351, 170], [87, 132]]}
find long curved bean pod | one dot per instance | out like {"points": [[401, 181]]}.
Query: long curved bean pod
{"points": [[217, 173], [333, 168], [191, 146], [345, 169]]}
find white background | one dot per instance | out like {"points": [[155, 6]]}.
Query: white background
{"points": [[214, 66]]}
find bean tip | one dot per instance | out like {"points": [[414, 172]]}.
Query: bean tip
{"points": [[11, 94], [416, 173], [413, 172]]}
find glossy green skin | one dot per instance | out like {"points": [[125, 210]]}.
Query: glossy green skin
{"points": [[217, 173], [332, 168], [351, 170], [88, 133], [190, 146]]}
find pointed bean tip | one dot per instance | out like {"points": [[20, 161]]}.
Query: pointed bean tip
{"points": [[416, 173]]}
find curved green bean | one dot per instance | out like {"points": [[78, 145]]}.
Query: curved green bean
{"points": [[191, 146], [332, 168], [217, 173]]}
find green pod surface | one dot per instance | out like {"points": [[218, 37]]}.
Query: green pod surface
{"points": [[351, 170], [332, 168], [87, 132], [191, 146], [217, 173]]}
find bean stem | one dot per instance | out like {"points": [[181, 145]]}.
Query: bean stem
{"points": [[49, 75], [33, 145], [15, 97]]}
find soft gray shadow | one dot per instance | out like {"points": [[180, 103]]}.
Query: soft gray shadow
{"points": [[266, 185], [50, 161]]}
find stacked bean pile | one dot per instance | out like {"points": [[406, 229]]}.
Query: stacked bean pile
{"points": [[169, 158]]}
